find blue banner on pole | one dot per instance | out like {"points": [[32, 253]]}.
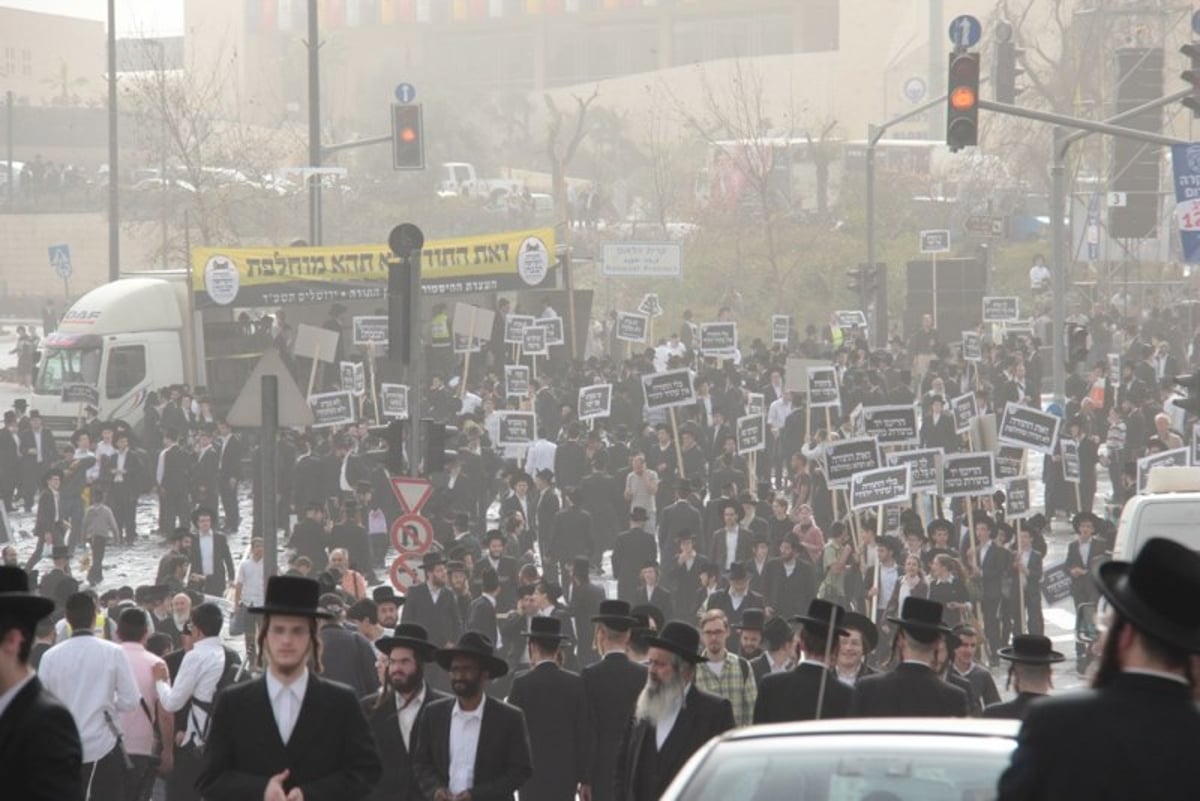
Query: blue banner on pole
{"points": [[1185, 164]]}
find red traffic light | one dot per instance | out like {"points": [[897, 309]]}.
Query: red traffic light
{"points": [[963, 98], [408, 135]]}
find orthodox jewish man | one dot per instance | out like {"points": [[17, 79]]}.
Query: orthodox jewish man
{"points": [[289, 734], [811, 690], [912, 688], [472, 746], [673, 717], [1029, 658], [39, 744], [1140, 711]]}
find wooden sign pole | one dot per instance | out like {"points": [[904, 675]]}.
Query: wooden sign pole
{"points": [[312, 374], [374, 393], [878, 536], [678, 447], [1020, 584]]}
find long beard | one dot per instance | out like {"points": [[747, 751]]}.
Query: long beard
{"points": [[180, 621], [659, 700]]}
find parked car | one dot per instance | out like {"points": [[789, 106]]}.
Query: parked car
{"points": [[899, 759]]}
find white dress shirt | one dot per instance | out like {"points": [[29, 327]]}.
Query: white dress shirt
{"points": [[406, 714], [250, 577], [206, 552], [286, 700], [663, 730], [198, 675], [107, 688], [464, 744]]}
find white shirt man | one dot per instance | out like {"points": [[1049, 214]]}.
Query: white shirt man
{"points": [[777, 413], [250, 580], [93, 679], [199, 673], [406, 714], [286, 700], [464, 743], [540, 456], [1039, 276]]}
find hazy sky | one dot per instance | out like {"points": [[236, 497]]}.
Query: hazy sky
{"points": [[134, 17]]}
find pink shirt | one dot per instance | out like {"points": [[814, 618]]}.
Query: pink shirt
{"points": [[813, 541], [135, 726]]}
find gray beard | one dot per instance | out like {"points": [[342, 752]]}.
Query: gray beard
{"points": [[657, 702], [180, 622]]}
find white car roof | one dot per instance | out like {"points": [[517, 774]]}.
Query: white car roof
{"points": [[954, 727]]}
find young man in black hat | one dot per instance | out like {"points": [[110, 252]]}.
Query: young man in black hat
{"points": [[1030, 657], [557, 716], [912, 688], [735, 599], [504, 566], [995, 569], [612, 686], [811, 690], [750, 634], [432, 604], [633, 549], [672, 718], [394, 712], [58, 584], [1083, 554], [1140, 712], [39, 743], [471, 746], [583, 602], [651, 592], [731, 542], [211, 557], [680, 516], [387, 604], [779, 651], [290, 734]]}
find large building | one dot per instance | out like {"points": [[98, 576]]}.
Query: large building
{"points": [[51, 60]]}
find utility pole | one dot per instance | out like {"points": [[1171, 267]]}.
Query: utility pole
{"points": [[314, 124], [114, 191]]}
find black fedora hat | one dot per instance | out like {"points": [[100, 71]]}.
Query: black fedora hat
{"points": [[615, 614], [936, 523], [432, 559], [752, 620], [385, 594], [1035, 523], [1085, 517], [472, 643], [1156, 591], [409, 635], [292, 595], [922, 618], [1030, 649], [546, 628], [862, 623], [681, 639], [819, 613], [15, 597], [639, 514]]}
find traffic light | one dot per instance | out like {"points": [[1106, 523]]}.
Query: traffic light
{"points": [[1191, 383], [408, 137], [1007, 71], [962, 114], [1077, 344], [1192, 76]]}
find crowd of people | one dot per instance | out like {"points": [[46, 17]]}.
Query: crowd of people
{"points": [[613, 594]]}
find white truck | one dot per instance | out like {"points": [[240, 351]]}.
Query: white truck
{"points": [[125, 339], [460, 179], [1169, 508]]}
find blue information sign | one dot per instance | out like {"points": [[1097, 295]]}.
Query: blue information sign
{"points": [[405, 93], [965, 31]]}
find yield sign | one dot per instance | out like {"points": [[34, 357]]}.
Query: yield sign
{"points": [[411, 492]]}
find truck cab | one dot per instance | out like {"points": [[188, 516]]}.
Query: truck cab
{"points": [[1170, 508], [125, 339]]}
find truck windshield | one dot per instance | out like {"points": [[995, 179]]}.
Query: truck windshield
{"points": [[67, 366]]}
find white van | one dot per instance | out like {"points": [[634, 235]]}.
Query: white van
{"points": [[1170, 509]]}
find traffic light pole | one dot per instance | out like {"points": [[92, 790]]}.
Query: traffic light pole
{"points": [[874, 134], [314, 125], [1058, 194]]}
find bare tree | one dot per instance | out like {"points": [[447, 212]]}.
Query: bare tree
{"points": [[560, 152]]}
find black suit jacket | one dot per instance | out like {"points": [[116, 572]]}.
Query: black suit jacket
{"points": [[570, 463], [584, 604], [229, 459], [940, 434], [662, 599], [206, 475], [39, 747], [331, 754], [306, 482], [441, 620], [995, 567], [1144, 729], [398, 779], [612, 686], [560, 731], [223, 570], [793, 695], [572, 537], [502, 760], [48, 513], [177, 468], [1014, 709], [702, 717], [677, 517], [720, 555], [631, 551], [790, 595], [721, 600], [481, 617], [911, 690]]}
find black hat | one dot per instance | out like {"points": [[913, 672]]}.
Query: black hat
{"points": [[60, 552], [684, 534], [546, 628], [746, 498], [683, 485], [891, 543], [545, 474], [384, 594], [20, 403], [472, 643], [776, 633], [939, 522], [679, 638], [409, 635], [1030, 649], [737, 572], [648, 613], [581, 567], [639, 514], [728, 503], [819, 613], [1081, 517], [203, 510], [519, 476], [616, 615], [752, 620], [862, 623], [15, 597], [1035, 523], [462, 520], [494, 534], [292, 595], [922, 618], [1156, 591], [432, 559]]}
